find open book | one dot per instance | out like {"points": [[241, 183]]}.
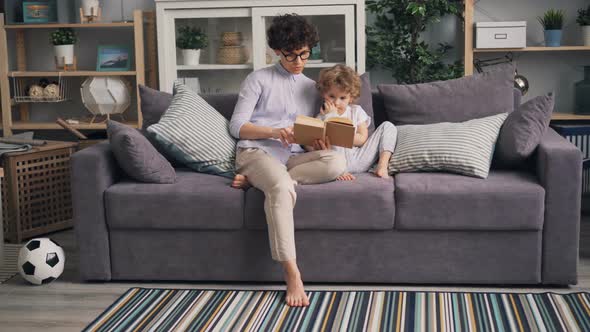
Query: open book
{"points": [[339, 130]]}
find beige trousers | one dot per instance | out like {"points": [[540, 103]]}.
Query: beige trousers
{"points": [[276, 181]]}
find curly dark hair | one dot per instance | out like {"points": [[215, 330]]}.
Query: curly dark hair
{"points": [[291, 32]]}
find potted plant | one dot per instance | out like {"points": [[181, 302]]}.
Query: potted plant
{"points": [[191, 40], [552, 22], [584, 21], [63, 40]]}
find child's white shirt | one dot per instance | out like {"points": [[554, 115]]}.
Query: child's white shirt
{"points": [[354, 113]]}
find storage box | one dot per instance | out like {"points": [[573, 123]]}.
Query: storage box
{"points": [[579, 135], [500, 34], [36, 191]]}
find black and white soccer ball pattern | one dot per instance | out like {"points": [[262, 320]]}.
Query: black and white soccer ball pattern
{"points": [[41, 261]]}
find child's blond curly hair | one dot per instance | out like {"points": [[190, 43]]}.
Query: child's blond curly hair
{"points": [[341, 76]]}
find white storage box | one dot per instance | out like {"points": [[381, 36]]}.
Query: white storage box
{"points": [[500, 34]]}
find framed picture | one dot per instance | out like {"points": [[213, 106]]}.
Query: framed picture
{"points": [[39, 11], [113, 58]]}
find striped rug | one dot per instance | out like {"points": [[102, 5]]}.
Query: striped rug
{"points": [[8, 269], [143, 309]]}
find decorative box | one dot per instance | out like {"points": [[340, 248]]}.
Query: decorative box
{"points": [[500, 34]]}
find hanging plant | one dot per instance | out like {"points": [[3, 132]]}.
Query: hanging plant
{"points": [[394, 42]]}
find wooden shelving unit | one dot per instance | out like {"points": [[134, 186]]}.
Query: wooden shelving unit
{"points": [[21, 70], [469, 54]]}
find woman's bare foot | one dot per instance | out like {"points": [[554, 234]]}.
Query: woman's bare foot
{"points": [[240, 182], [381, 172], [296, 296], [346, 177]]}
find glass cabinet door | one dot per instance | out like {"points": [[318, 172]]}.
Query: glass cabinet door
{"points": [[224, 63], [336, 28]]}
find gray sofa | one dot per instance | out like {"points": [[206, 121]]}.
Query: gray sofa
{"points": [[516, 227]]}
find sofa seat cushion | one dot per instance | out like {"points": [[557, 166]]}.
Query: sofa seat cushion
{"points": [[365, 203], [195, 201], [506, 200]]}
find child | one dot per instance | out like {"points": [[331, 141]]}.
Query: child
{"points": [[340, 87]]}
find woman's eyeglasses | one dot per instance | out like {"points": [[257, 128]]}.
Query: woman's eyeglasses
{"points": [[290, 57]]}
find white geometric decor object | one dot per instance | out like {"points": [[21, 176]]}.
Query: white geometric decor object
{"points": [[105, 95], [41, 261]]}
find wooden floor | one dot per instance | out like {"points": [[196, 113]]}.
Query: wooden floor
{"points": [[68, 304]]}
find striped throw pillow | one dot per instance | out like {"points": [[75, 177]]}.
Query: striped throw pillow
{"points": [[465, 148], [195, 134]]}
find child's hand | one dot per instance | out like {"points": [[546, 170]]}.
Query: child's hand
{"points": [[328, 107]]}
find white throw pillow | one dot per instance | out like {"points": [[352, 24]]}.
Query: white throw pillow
{"points": [[465, 148]]}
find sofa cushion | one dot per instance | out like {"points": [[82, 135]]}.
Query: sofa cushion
{"points": [[506, 200], [153, 104], [196, 134], [365, 100], [522, 131], [457, 100], [465, 148], [366, 203], [195, 201], [137, 156]]}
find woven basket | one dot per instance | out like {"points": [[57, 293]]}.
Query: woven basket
{"points": [[232, 55], [231, 38]]}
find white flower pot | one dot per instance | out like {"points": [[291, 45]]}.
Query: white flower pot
{"points": [[586, 35], [191, 57], [64, 54], [90, 7]]}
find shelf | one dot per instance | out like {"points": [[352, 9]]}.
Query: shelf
{"points": [[532, 49], [568, 116], [322, 65], [69, 25], [70, 73], [19, 125], [214, 67]]}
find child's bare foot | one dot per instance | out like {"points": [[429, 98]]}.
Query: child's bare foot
{"points": [[240, 182], [381, 172], [346, 177], [296, 296]]}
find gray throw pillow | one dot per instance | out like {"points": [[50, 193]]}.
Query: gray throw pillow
{"points": [[153, 104], [522, 131], [464, 148], [137, 156], [195, 134], [457, 100], [366, 99]]}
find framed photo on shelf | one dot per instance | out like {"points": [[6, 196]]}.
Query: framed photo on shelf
{"points": [[113, 58], [39, 11]]}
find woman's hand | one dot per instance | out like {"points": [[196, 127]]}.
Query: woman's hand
{"points": [[284, 134], [319, 144]]}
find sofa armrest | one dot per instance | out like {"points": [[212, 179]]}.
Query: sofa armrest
{"points": [[94, 169], [559, 169]]}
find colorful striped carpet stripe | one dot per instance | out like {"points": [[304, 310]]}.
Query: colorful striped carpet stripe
{"points": [[144, 309]]}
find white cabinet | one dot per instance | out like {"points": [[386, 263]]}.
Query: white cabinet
{"points": [[341, 27]]}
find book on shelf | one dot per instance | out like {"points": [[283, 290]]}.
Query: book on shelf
{"points": [[339, 130]]}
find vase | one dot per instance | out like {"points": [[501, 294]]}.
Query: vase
{"points": [[191, 57], [552, 38], [586, 35], [90, 7], [582, 93], [64, 54]]}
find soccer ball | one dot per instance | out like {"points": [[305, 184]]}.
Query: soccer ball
{"points": [[41, 261]]}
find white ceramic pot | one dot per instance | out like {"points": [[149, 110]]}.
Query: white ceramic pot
{"points": [[586, 35], [64, 54], [90, 7], [191, 57]]}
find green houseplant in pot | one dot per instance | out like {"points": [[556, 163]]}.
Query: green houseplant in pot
{"points": [[191, 40], [63, 40], [395, 43], [552, 22], [584, 21]]}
